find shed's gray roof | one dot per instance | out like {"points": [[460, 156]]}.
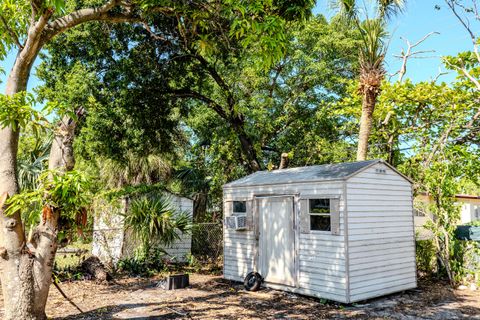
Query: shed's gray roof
{"points": [[302, 174]]}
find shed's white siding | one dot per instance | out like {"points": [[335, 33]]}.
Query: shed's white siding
{"points": [[381, 246], [111, 242], [374, 252], [181, 247], [321, 260]]}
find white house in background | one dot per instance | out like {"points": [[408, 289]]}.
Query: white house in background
{"points": [[112, 242], [342, 232], [469, 212]]}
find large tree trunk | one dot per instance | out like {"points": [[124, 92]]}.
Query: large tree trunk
{"points": [[368, 106], [45, 235], [26, 270], [16, 263]]}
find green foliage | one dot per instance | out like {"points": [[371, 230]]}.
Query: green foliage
{"points": [[14, 14], [68, 91], [133, 191], [373, 49], [371, 27], [32, 160], [67, 192], [426, 257], [465, 261], [16, 111], [15, 18], [258, 25], [154, 217], [134, 170], [286, 109], [145, 263]]}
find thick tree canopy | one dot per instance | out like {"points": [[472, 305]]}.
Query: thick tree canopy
{"points": [[154, 95]]}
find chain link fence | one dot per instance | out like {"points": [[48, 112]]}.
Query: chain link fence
{"points": [[204, 243], [203, 246], [207, 241]]}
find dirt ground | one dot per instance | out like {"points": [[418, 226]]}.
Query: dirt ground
{"points": [[211, 297]]}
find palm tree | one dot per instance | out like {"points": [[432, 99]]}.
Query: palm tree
{"points": [[134, 170], [371, 57]]}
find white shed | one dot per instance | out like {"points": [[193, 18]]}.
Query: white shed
{"points": [[342, 232], [112, 242]]}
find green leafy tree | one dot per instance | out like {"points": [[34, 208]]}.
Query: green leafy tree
{"points": [[435, 121], [28, 27], [238, 116]]}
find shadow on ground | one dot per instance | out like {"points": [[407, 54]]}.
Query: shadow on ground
{"points": [[215, 298]]}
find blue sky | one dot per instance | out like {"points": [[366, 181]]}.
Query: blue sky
{"points": [[419, 18]]}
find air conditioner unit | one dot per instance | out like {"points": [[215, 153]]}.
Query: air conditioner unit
{"points": [[236, 222]]}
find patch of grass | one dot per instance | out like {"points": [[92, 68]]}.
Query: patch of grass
{"points": [[66, 260]]}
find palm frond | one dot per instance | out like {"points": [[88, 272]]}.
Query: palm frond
{"points": [[32, 164], [372, 53], [155, 219], [346, 8], [134, 170], [193, 179], [390, 8]]}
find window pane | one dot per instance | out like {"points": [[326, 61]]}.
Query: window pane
{"points": [[239, 206], [320, 223], [319, 205]]}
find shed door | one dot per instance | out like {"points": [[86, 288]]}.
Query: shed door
{"points": [[277, 240]]}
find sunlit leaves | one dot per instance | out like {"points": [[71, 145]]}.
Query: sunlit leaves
{"points": [[58, 5], [70, 91], [66, 191], [16, 111], [14, 22]]}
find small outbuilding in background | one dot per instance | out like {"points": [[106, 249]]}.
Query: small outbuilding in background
{"points": [[342, 232], [112, 242]]}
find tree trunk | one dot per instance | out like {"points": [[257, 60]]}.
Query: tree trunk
{"points": [[284, 159], [16, 262], [368, 106], [45, 235], [246, 145], [200, 207], [26, 270]]}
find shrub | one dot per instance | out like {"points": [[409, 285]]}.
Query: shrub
{"points": [[426, 257]]}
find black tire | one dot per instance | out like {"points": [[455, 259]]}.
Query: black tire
{"points": [[253, 281]]}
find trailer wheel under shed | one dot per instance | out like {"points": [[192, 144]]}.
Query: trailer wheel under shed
{"points": [[342, 232]]}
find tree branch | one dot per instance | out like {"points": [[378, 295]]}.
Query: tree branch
{"points": [[472, 130], [12, 33], [451, 4], [409, 54], [88, 14], [188, 93], [218, 79]]}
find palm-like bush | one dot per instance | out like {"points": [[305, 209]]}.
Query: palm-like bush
{"points": [[32, 163], [154, 220]]}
